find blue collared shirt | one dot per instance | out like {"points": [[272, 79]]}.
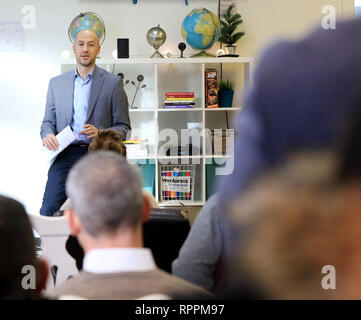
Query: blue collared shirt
{"points": [[80, 105]]}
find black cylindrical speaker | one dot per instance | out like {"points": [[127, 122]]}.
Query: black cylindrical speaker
{"points": [[123, 48]]}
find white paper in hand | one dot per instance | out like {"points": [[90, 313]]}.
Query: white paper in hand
{"points": [[65, 138]]}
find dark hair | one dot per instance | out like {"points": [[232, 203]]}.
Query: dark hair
{"points": [[17, 248], [108, 140]]}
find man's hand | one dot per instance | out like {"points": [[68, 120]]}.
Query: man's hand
{"points": [[90, 131], [51, 142]]}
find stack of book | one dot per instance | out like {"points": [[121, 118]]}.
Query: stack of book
{"points": [[175, 100], [136, 148]]}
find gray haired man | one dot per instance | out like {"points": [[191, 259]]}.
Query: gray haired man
{"points": [[108, 209]]}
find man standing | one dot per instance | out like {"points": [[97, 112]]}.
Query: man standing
{"points": [[87, 99], [107, 211]]}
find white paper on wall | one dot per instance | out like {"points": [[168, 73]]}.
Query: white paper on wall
{"points": [[11, 36]]}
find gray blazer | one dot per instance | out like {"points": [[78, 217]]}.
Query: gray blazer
{"points": [[108, 103]]}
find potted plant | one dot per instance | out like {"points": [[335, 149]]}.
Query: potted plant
{"points": [[225, 93], [229, 24]]}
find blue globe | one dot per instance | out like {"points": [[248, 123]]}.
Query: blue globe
{"points": [[87, 21], [201, 29]]}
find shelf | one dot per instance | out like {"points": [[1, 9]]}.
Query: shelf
{"points": [[141, 158], [180, 157], [218, 156], [142, 60], [180, 109], [150, 118], [142, 110], [224, 109], [201, 109], [184, 203]]}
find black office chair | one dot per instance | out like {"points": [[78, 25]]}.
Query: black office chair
{"points": [[164, 234]]}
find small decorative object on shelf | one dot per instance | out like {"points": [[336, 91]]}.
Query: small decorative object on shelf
{"points": [[156, 37], [179, 100], [229, 24], [225, 94], [181, 46], [201, 29], [211, 93], [121, 75], [140, 78]]}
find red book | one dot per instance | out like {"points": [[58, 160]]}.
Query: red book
{"points": [[179, 94]]}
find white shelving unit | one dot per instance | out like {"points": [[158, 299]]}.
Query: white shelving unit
{"points": [[150, 120]]}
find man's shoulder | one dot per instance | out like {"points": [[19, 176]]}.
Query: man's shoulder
{"points": [[63, 76], [108, 75], [129, 285]]}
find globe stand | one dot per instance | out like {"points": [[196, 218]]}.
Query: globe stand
{"points": [[157, 54], [203, 54]]}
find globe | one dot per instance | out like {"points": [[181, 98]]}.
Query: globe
{"points": [[201, 29], [89, 21]]}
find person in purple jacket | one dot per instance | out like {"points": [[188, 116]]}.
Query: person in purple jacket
{"points": [[302, 95]]}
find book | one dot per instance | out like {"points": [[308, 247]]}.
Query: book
{"points": [[179, 99], [178, 103], [177, 94], [211, 85], [178, 106]]}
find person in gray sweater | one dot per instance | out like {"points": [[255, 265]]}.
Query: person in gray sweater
{"points": [[200, 258], [106, 214]]}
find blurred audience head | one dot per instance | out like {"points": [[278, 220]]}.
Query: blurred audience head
{"points": [[295, 221], [349, 151], [17, 249], [106, 198], [108, 140]]}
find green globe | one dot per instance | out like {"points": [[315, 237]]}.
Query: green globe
{"points": [[201, 29], [87, 21]]}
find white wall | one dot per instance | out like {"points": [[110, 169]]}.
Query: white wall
{"points": [[24, 76]]}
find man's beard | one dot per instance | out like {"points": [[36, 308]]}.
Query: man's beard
{"points": [[87, 64]]}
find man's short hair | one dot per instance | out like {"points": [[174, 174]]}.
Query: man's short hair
{"points": [[17, 248], [105, 192]]}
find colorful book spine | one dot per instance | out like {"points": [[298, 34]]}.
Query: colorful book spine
{"points": [[178, 106], [179, 94], [178, 103], [211, 87], [179, 99]]}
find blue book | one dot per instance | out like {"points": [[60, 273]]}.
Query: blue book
{"points": [[178, 107]]}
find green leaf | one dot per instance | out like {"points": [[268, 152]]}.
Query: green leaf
{"points": [[225, 85], [235, 17], [229, 10], [236, 23], [224, 24], [231, 29], [237, 36]]}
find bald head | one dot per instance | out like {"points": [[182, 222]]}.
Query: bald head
{"points": [[86, 48], [87, 35]]}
